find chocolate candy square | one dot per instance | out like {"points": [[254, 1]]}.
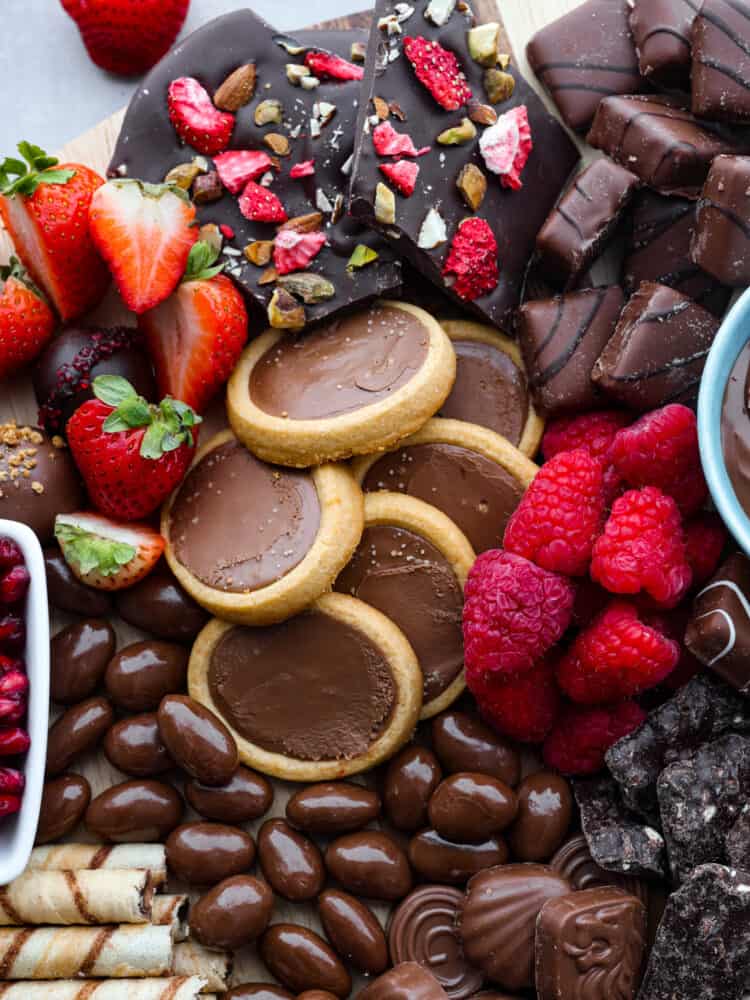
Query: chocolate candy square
{"points": [[658, 350], [587, 54], [661, 31], [718, 633], [561, 338], [721, 60], [721, 244], [580, 225]]}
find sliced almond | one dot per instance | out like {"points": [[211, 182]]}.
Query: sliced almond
{"points": [[385, 204], [481, 114], [238, 89], [309, 223], [259, 252], [358, 52], [472, 184], [278, 144], [381, 108], [269, 276], [285, 312]]}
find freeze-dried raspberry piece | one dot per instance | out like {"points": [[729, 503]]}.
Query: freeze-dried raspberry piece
{"points": [[643, 548], [293, 251], [507, 145], [472, 258], [582, 735], [514, 612], [388, 142], [439, 71], [523, 708], [661, 449], [195, 119], [403, 175], [238, 166], [306, 168], [260, 205], [705, 538], [561, 514], [593, 431], [327, 66]]}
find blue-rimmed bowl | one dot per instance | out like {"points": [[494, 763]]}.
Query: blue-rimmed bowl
{"points": [[731, 338]]}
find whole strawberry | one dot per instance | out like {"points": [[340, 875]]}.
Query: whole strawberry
{"points": [[130, 453], [26, 321], [127, 37]]}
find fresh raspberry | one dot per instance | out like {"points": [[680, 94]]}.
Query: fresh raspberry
{"points": [[560, 515], [661, 449], [472, 259], [10, 554], [591, 600], [643, 548], [403, 175], [195, 119], [506, 146], [523, 708], [438, 70], [705, 538], [14, 585], [260, 205], [305, 168], [513, 612], [238, 166], [582, 735], [388, 142], [593, 431], [293, 251], [616, 657], [329, 67]]}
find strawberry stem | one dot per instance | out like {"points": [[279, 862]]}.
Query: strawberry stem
{"points": [[19, 177], [168, 425], [201, 263], [90, 551]]}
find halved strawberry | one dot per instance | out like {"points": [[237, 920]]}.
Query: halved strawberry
{"points": [[145, 233], [197, 122], [306, 168], [26, 321], [261, 205], [106, 554], [238, 166], [44, 206], [388, 142], [293, 251], [327, 66], [402, 174]]}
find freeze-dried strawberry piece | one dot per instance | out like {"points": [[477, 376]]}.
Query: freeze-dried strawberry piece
{"points": [[236, 167], [329, 67], [388, 142], [293, 251], [473, 260], [507, 145], [403, 175], [439, 71], [195, 119], [304, 169], [261, 205]]}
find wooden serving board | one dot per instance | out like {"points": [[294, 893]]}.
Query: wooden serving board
{"points": [[94, 148]]}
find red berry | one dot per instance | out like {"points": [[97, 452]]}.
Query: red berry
{"points": [[591, 599], [471, 267], [523, 708], [8, 664], [643, 548], [388, 142], [705, 538], [438, 70], [293, 251], [513, 613], [14, 682], [226, 231], [560, 515], [593, 431], [238, 166], [305, 168], [12, 782], [403, 175], [506, 146], [583, 735], [330, 67], [10, 554], [195, 119], [9, 804], [13, 740], [14, 585], [13, 708], [12, 633], [260, 205]]}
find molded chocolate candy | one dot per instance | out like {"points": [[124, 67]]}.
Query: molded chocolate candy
{"points": [[661, 31], [718, 632], [720, 79], [721, 244]]}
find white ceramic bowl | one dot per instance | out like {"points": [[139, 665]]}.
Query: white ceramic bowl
{"points": [[17, 833]]}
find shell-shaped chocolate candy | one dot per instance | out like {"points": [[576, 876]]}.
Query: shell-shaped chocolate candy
{"points": [[574, 862]]}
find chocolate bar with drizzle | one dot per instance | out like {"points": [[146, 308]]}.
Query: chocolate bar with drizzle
{"points": [[718, 633], [721, 244], [661, 30], [721, 61]]}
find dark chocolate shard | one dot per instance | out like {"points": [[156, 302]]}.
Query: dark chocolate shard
{"points": [[721, 244], [619, 841], [737, 840], [149, 148], [700, 712], [658, 351], [584, 56], [661, 31], [561, 338], [721, 61]]}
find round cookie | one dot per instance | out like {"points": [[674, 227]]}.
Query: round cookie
{"points": [[491, 388], [329, 693], [412, 564], [473, 475], [356, 385], [255, 543]]}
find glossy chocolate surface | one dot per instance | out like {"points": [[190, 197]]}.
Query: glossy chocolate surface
{"points": [[134, 745], [141, 674], [720, 78], [354, 931], [440, 860], [661, 31], [258, 991], [207, 853], [735, 427], [301, 959], [469, 807], [159, 605], [718, 633], [332, 808], [574, 862], [411, 778], [198, 740], [135, 811], [67, 593], [77, 731], [369, 864], [245, 797], [463, 743], [721, 244], [545, 807], [79, 655], [64, 801], [407, 981], [291, 863], [233, 913]]}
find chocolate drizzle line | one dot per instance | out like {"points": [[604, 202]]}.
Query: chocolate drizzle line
{"points": [[559, 363], [6, 904], [96, 949], [9, 959], [100, 858], [79, 899], [728, 213]]}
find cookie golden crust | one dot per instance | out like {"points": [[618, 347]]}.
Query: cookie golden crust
{"points": [[300, 713], [253, 543], [462, 331], [356, 386]]}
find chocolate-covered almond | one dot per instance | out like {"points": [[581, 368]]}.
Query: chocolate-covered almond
{"points": [[258, 991], [198, 740], [66, 591], [159, 605], [370, 864], [207, 853], [463, 743], [291, 863], [79, 655], [332, 808], [246, 797], [77, 730], [440, 860], [411, 778], [135, 746], [233, 913], [135, 811], [545, 804], [467, 807], [143, 673], [300, 959], [354, 931], [316, 995], [64, 801]]}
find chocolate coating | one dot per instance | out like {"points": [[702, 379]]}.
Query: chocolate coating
{"points": [[332, 808], [369, 864], [468, 807], [720, 78], [198, 740], [79, 655], [407, 981], [721, 244], [144, 672], [661, 31], [316, 995], [135, 811], [301, 959], [735, 428], [354, 931], [440, 860], [77, 731], [233, 913], [66, 591], [718, 633], [207, 853], [574, 862], [245, 797], [411, 778], [463, 743], [258, 991], [545, 806], [292, 864], [159, 605], [64, 801], [135, 746]]}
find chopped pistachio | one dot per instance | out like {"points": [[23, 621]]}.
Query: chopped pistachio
{"points": [[358, 52], [308, 286], [183, 175], [238, 89], [385, 204], [309, 223], [439, 11], [472, 184], [433, 231], [381, 108], [481, 114], [278, 144], [458, 134], [269, 276], [499, 85], [259, 252], [269, 112], [310, 82], [290, 45], [285, 312], [295, 73], [484, 42], [503, 60], [362, 256]]}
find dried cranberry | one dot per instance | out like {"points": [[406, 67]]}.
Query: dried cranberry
{"points": [[14, 584], [13, 740], [10, 554]]}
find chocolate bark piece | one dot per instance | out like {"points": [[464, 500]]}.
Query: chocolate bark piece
{"points": [[619, 841], [148, 147], [583, 221], [658, 351], [590, 944], [561, 339], [718, 633], [659, 139], [721, 244], [720, 80], [700, 712], [514, 217], [658, 246], [661, 32], [701, 947], [737, 840], [585, 55]]}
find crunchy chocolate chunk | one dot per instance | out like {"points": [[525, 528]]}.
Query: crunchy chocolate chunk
{"points": [[737, 840]]}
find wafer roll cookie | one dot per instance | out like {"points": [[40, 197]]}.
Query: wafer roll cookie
{"points": [[81, 897], [192, 959], [182, 988], [73, 857], [171, 911]]}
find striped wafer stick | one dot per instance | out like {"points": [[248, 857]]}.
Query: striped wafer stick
{"points": [[80, 897]]}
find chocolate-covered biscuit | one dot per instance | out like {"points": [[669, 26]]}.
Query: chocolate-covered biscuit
{"points": [[661, 32], [720, 79], [718, 633], [721, 244], [587, 54]]}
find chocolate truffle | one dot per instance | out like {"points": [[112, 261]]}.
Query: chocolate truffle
{"points": [[718, 633], [720, 80], [721, 244], [661, 31]]}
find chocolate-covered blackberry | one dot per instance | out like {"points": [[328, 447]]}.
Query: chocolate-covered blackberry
{"points": [[63, 374]]}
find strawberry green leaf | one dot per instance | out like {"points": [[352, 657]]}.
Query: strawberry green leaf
{"points": [[90, 552], [19, 177], [201, 263], [112, 389]]}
